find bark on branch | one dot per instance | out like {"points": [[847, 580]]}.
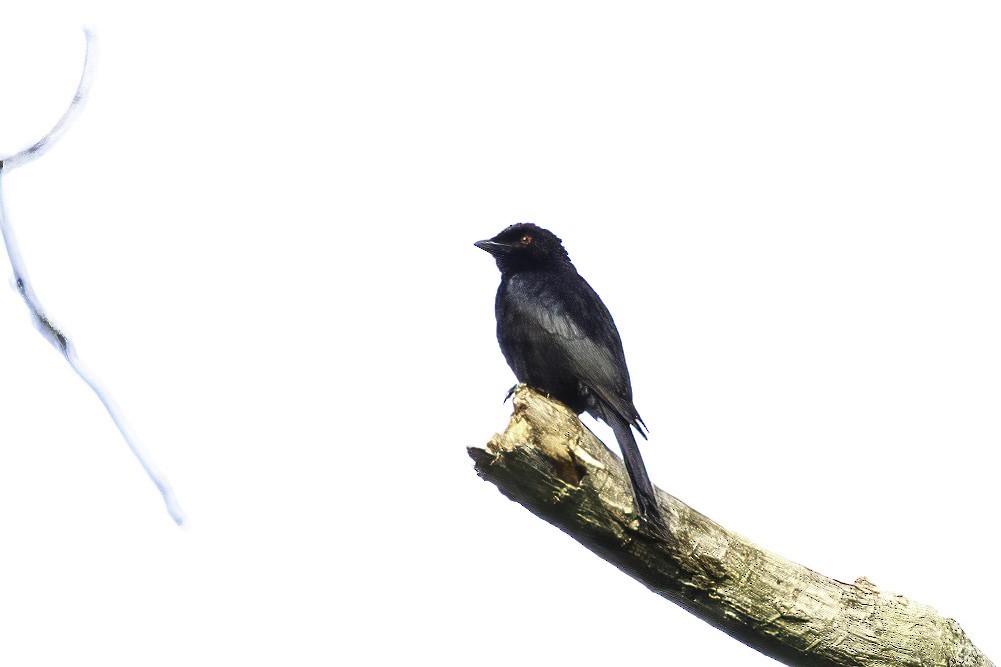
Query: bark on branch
{"points": [[549, 462]]}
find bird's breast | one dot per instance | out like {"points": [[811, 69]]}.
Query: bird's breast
{"points": [[531, 346]]}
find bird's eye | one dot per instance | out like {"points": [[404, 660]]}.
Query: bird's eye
{"points": [[526, 240]]}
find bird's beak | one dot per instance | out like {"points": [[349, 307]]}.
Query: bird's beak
{"points": [[493, 247]]}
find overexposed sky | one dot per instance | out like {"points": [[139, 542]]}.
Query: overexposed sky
{"points": [[258, 233]]}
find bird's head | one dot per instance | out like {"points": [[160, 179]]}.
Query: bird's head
{"points": [[524, 247]]}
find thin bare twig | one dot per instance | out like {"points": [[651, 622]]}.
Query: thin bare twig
{"points": [[41, 320]]}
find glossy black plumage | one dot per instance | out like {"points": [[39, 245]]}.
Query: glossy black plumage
{"points": [[559, 337]]}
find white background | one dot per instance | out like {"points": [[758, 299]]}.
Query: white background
{"points": [[259, 235]]}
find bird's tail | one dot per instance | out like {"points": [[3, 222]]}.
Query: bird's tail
{"points": [[643, 492]]}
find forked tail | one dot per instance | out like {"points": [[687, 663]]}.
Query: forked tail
{"points": [[643, 491]]}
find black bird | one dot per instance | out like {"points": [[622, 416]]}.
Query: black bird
{"points": [[558, 337]]}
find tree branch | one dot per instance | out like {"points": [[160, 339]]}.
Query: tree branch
{"points": [[549, 462]]}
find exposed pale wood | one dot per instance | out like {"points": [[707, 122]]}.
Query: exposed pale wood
{"points": [[550, 463]]}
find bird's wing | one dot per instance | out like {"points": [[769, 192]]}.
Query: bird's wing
{"points": [[583, 334]]}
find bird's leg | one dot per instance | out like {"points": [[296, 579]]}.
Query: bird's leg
{"points": [[510, 392]]}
